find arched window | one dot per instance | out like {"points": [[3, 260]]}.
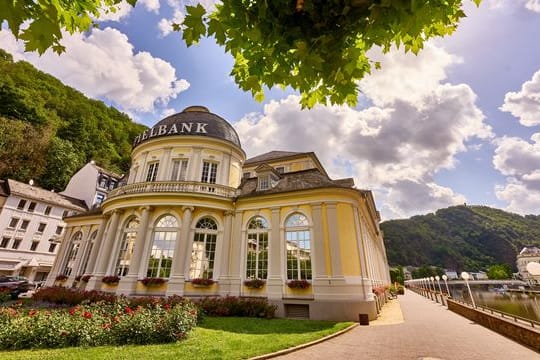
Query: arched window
{"points": [[204, 249], [86, 256], [257, 249], [163, 241], [126, 247], [73, 249], [298, 244]]}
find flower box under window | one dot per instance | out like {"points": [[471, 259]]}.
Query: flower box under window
{"points": [[153, 281], [255, 283], [110, 280], [61, 277], [200, 282], [298, 284]]}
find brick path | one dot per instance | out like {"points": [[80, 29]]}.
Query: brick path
{"points": [[421, 330]]}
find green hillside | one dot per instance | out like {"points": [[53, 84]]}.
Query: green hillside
{"points": [[460, 238], [49, 130]]}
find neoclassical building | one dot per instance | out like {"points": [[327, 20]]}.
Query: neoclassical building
{"points": [[194, 207]]}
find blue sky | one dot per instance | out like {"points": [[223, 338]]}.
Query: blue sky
{"points": [[458, 123]]}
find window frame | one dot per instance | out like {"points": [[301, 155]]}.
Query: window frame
{"points": [[179, 169], [31, 207], [21, 204], [152, 171], [127, 246], [297, 234], [16, 243], [4, 242], [41, 226], [207, 237], [13, 223], [259, 233], [165, 231]]}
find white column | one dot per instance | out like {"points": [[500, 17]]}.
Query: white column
{"points": [[59, 260], [366, 284], [141, 175], [164, 165], [82, 250], [97, 245], [140, 240], [225, 168], [195, 165], [181, 254], [318, 244], [235, 275], [105, 253], [274, 285], [224, 278]]}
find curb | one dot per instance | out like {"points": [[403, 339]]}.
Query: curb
{"points": [[302, 346]]}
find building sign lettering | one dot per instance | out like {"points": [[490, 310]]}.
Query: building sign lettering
{"points": [[172, 129]]}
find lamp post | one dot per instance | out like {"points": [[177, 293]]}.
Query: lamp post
{"points": [[444, 277], [440, 291], [428, 288], [434, 290], [465, 276]]}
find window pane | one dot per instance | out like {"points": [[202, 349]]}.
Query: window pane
{"points": [[164, 239]]}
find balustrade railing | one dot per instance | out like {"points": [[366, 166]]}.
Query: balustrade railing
{"points": [[173, 187]]}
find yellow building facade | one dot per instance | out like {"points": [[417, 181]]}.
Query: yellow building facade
{"points": [[199, 215]]}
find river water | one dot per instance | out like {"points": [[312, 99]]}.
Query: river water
{"points": [[516, 303]]}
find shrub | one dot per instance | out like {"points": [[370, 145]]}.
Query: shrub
{"points": [[110, 280], [5, 294], [103, 323], [255, 283], [64, 296], [153, 281], [61, 277], [235, 306], [298, 284], [201, 281]]}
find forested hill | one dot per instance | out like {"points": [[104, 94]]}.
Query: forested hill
{"points": [[460, 238], [49, 130]]}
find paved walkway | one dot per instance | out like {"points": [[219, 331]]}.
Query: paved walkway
{"points": [[416, 328]]}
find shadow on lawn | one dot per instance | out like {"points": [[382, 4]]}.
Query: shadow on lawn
{"points": [[264, 326]]}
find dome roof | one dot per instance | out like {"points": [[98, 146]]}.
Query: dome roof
{"points": [[192, 121]]}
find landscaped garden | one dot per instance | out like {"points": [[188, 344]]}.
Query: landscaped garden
{"points": [[67, 324]]}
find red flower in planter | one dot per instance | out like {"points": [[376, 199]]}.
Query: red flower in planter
{"points": [[298, 284], [201, 281], [153, 281], [111, 279], [61, 277]]}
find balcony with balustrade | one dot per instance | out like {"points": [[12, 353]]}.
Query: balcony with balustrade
{"points": [[173, 187]]}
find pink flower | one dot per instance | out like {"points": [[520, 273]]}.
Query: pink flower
{"points": [[87, 315]]}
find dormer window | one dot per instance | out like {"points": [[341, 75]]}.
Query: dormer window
{"points": [[280, 169], [246, 175], [264, 182]]}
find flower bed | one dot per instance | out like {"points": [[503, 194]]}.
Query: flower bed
{"points": [[115, 323], [63, 296], [299, 284], [235, 306], [5, 294], [254, 283], [110, 280], [153, 281], [61, 277], [202, 282]]}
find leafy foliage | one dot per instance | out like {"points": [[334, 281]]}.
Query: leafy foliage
{"points": [[460, 238], [235, 306], [499, 272], [44, 20], [49, 130], [317, 47]]}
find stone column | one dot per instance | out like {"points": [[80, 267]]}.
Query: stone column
{"points": [[181, 253], [274, 286], [97, 245], [59, 260], [83, 245], [141, 174], [195, 165], [366, 284], [128, 283], [335, 248], [105, 255], [225, 169], [224, 278]]}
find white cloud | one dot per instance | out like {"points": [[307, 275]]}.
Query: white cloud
{"points": [[104, 65], [533, 5], [165, 26], [520, 161], [150, 5], [121, 11], [395, 147], [525, 104]]}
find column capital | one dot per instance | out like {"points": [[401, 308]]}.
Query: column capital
{"points": [[317, 205], [114, 212], [186, 208], [146, 208], [331, 204], [275, 209], [228, 213]]}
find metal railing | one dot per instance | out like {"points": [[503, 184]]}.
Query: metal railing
{"points": [[173, 187], [516, 318]]}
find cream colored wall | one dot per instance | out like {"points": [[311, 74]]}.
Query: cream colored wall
{"points": [[350, 258], [228, 157], [297, 164]]}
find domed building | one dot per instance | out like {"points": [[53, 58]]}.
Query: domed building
{"points": [[200, 219]]}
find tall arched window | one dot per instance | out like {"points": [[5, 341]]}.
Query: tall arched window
{"points": [[257, 249], [159, 264], [126, 247], [204, 249], [86, 256], [298, 247], [73, 249]]}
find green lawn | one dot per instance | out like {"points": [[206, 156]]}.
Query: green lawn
{"points": [[215, 338]]}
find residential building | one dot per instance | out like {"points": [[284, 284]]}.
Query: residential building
{"points": [[193, 207], [31, 227], [527, 255]]}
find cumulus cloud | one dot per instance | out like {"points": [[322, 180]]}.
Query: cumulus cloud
{"points": [[178, 10], [165, 26], [520, 161], [525, 104], [104, 65], [121, 11], [533, 5], [150, 5], [394, 147]]}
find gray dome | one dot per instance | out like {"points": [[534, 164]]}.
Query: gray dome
{"points": [[192, 121]]}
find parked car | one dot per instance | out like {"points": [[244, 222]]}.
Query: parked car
{"points": [[16, 284]]}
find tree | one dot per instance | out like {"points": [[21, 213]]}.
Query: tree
{"points": [[397, 275], [499, 272], [317, 47]]}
